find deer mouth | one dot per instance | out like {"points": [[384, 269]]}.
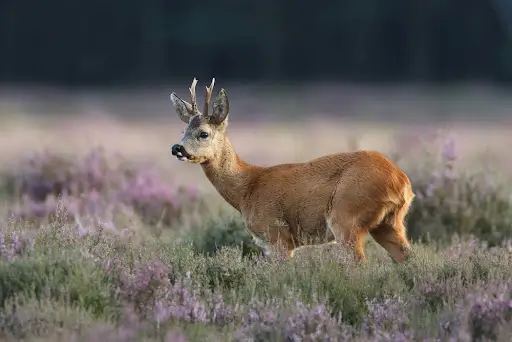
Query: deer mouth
{"points": [[183, 156]]}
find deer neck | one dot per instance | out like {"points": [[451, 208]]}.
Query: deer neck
{"points": [[229, 174]]}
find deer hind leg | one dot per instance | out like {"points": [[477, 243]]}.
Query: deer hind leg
{"points": [[350, 221], [391, 234], [349, 233]]}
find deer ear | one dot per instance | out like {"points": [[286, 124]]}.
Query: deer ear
{"points": [[183, 108], [220, 108]]}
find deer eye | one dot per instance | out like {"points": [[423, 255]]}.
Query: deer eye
{"points": [[203, 135]]}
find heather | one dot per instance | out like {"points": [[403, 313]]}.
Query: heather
{"points": [[98, 247]]}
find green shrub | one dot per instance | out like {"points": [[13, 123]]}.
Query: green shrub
{"points": [[224, 231], [59, 277], [228, 269]]}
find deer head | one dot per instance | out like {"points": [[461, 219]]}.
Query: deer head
{"points": [[204, 135]]}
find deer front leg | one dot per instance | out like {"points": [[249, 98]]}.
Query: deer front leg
{"points": [[258, 242], [272, 236]]}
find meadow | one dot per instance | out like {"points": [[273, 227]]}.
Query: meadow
{"points": [[105, 237]]}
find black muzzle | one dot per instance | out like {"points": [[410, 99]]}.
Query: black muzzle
{"points": [[180, 152]]}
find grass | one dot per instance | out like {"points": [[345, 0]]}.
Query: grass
{"points": [[151, 289], [134, 246]]}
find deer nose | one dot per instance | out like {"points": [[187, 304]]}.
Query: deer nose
{"points": [[176, 148]]}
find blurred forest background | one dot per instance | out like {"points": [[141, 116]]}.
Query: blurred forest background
{"points": [[73, 43]]}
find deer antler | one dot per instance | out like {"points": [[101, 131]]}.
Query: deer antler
{"points": [[193, 96], [208, 97]]}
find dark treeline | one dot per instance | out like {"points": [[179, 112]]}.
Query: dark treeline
{"points": [[77, 42]]}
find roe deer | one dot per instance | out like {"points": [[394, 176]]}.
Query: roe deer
{"points": [[339, 197]]}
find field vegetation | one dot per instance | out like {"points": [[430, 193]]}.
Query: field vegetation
{"points": [[105, 237]]}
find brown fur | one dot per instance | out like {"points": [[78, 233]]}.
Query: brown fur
{"points": [[338, 197]]}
